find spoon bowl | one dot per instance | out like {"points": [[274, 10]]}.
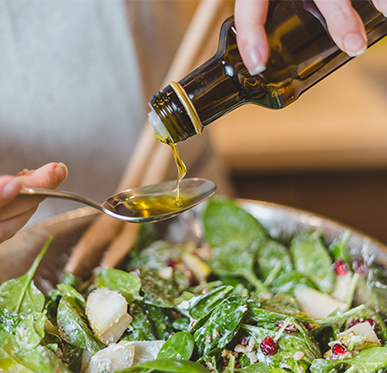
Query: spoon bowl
{"points": [[145, 204]]}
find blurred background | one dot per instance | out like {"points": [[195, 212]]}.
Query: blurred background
{"points": [[326, 153]]}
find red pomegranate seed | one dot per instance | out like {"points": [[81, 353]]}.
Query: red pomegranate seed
{"points": [[352, 323], [135, 271], [244, 341], [338, 349], [340, 267], [357, 321], [290, 328], [308, 326], [268, 346], [371, 322], [170, 263], [360, 267], [206, 290]]}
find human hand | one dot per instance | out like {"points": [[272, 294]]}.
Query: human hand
{"points": [[15, 211], [344, 25]]}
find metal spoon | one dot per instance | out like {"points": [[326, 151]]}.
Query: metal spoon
{"points": [[145, 204]]}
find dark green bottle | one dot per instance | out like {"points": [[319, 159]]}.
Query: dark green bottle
{"points": [[301, 53]]}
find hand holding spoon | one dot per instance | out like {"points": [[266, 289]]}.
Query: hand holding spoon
{"points": [[145, 204]]}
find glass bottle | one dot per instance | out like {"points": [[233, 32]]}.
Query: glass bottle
{"points": [[301, 53]]}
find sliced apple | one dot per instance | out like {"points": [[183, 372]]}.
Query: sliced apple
{"points": [[107, 313], [342, 287], [316, 304], [364, 329]]}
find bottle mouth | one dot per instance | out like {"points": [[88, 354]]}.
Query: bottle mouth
{"points": [[161, 132]]}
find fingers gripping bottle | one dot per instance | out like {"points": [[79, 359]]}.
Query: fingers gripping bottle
{"points": [[301, 53]]}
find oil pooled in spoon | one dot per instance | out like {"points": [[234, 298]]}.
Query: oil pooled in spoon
{"points": [[161, 203]]}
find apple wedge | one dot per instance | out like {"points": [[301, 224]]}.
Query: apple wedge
{"points": [[316, 304]]}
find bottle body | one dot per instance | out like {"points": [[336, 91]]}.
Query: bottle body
{"points": [[301, 53]]}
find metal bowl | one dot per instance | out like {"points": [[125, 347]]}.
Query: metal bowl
{"points": [[17, 254]]}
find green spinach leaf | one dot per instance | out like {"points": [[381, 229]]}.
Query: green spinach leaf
{"points": [[370, 360], [254, 368], [168, 366], [73, 326], [234, 259], [30, 331], [340, 249], [268, 253], [157, 290], [224, 223], [70, 292], [287, 282], [311, 258], [16, 358], [127, 284], [20, 294], [162, 319], [142, 327], [221, 326], [9, 320], [179, 346], [201, 305]]}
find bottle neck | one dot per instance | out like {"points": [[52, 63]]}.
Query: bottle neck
{"points": [[169, 118], [217, 87]]}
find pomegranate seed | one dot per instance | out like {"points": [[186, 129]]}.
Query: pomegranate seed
{"points": [[352, 323], [206, 290], [244, 341], [357, 321], [338, 349], [371, 322], [268, 346], [360, 267], [290, 328], [135, 271], [308, 326], [192, 323], [340, 267], [170, 263]]}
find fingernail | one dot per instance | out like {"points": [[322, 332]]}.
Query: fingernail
{"points": [[253, 60], [382, 7], [59, 171], [354, 45], [21, 173], [13, 188]]}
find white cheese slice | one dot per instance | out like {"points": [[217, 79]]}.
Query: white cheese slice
{"points": [[116, 356], [107, 313]]}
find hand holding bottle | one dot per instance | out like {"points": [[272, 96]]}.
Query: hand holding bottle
{"points": [[16, 211], [293, 37], [344, 24]]}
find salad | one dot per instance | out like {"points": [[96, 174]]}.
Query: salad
{"points": [[238, 301]]}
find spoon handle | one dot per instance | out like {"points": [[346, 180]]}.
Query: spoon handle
{"points": [[39, 192]]}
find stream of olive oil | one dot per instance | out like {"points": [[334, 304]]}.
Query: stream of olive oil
{"points": [[181, 172]]}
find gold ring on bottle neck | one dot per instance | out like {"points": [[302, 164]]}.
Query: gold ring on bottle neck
{"points": [[188, 106]]}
